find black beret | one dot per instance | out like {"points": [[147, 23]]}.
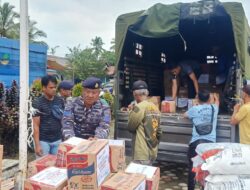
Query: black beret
{"points": [[92, 83], [140, 84], [66, 85]]}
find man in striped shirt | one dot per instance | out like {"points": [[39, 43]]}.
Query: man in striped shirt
{"points": [[47, 116]]}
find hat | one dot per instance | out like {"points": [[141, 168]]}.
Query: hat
{"points": [[92, 83], [66, 85], [246, 89], [137, 85]]}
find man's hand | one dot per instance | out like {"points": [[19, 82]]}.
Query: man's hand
{"points": [[38, 150], [236, 108]]}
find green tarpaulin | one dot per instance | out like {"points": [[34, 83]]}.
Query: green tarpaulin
{"points": [[163, 21]]}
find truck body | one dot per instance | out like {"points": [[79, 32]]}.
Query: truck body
{"points": [[10, 61], [147, 41]]}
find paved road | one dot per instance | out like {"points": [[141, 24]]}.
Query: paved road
{"points": [[173, 176]]}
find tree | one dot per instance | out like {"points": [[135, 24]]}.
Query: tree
{"points": [[108, 57], [53, 50], [7, 20], [10, 28], [112, 48], [34, 32], [97, 48]]}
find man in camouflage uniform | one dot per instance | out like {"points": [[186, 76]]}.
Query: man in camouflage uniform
{"points": [[87, 116], [144, 124]]}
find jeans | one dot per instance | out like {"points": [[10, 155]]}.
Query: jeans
{"points": [[191, 154], [50, 147]]}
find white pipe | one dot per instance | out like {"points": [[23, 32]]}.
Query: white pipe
{"points": [[24, 91]]}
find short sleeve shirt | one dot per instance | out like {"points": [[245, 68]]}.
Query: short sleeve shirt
{"points": [[202, 114], [243, 116], [50, 126]]}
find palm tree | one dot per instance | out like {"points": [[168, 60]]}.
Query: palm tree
{"points": [[97, 44], [112, 48], [7, 20], [11, 29], [53, 50], [34, 32]]}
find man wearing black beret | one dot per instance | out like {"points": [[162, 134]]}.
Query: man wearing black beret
{"points": [[65, 89], [87, 116]]}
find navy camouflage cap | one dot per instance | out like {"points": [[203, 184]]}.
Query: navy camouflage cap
{"points": [[92, 83], [66, 85]]}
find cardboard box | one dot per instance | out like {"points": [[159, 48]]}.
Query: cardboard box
{"points": [[65, 147], [40, 164], [122, 181], [51, 178], [117, 155], [155, 100], [88, 165], [152, 174], [168, 106]]}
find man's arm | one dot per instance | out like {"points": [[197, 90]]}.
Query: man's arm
{"points": [[195, 81], [174, 88], [68, 123], [216, 99], [135, 118], [238, 115], [102, 131], [36, 127]]}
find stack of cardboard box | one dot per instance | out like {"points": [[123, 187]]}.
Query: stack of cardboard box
{"points": [[97, 164]]}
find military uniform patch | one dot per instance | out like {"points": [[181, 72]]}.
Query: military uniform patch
{"points": [[136, 109]]}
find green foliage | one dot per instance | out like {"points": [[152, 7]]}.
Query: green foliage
{"points": [[77, 90], [36, 89], [109, 98], [9, 117], [10, 27], [89, 61]]}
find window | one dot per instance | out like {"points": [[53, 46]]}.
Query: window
{"points": [[163, 58], [138, 49]]}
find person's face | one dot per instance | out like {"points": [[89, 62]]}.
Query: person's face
{"points": [[50, 89], [137, 97], [65, 93], [176, 70], [244, 96], [90, 96]]}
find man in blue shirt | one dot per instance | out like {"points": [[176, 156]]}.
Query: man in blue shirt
{"points": [[204, 113]]}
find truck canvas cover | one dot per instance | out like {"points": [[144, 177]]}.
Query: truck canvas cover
{"points": [[163, 21]]}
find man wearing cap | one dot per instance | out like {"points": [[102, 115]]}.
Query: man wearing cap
{"points": [[65, 88], [87, 116], [144, 124], [241, 116]]}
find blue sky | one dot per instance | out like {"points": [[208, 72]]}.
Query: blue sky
{"points": [[72, 22]]}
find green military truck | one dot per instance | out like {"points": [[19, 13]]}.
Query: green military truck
{"points": [[147, 41]]}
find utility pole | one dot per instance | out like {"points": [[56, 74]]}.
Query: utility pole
{"points": [[24, 92]]}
